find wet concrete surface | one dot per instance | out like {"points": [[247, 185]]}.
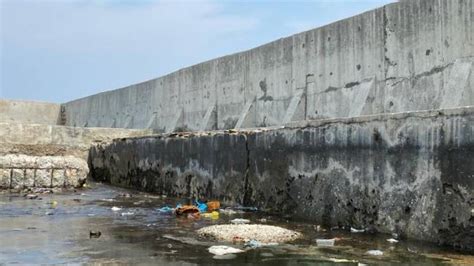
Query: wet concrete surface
{"points": [[56, 228]]}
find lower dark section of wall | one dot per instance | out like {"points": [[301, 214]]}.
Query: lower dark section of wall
{"points": [[410, 174]]}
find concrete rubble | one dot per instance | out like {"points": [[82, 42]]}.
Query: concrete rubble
{"points": [[245, 232]]}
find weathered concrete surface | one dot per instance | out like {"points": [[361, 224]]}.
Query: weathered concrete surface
{"points": [[39, 155], [408, 173], [22, 171], [29, 112], [412, 55], [40, 139]]}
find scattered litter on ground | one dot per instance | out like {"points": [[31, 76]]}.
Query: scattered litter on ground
{"points": [[340, 260], [212, 215], [228, 211], [166, 210], [354, 230], [225, 257], [108, 200], [252, 244], [31, 196], [115, 209], [213, 205], [325, 242], [246, 232], [374, 252], [94, 234], [223, 250], [202, 207], [392, 240], [189, 210], [240, 221]]}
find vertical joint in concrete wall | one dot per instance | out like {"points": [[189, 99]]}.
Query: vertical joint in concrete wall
{"points": [[62, 116], [177, 121], [152, 122], [296, 108], [209, 120], [246, 117], [128, 122]]}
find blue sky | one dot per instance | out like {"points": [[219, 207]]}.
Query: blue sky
{"points": [[60, 50]]}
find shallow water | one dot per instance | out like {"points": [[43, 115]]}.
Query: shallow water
{"points": [[41, 231]]}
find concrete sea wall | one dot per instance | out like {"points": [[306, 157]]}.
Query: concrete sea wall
{"points": [[406, 56], [15, 111], [408, 173]]}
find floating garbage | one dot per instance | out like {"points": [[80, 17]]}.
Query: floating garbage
{"points": [[223, 250], [228, 211], [212, 215], [115, 209], [325, 242], [94, 234], [127, 213], [253, 244], [240, 221], [166, 209], [392, 240], [245, 209], [186, 210], [354, 230], [374, 252], [202, 207], [213, 205], [31, 196]]}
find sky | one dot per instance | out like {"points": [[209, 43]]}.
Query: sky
{"points": [[61, 50]]}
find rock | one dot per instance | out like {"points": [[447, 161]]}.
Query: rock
{"points": [[245, 232]]}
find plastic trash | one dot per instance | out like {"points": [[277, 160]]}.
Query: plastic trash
{"points": [[213, 205], [201, 206], [240, 221], [186, 209], [115, 209], [325, 242], [354, 230], [253, 244], [246, 209], [213, 215], [374, 252], [228, 211], [127, 213], [166, 209], [223, 250], [392, 240]]}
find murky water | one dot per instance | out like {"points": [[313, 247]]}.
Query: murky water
{"points": [[56, 229]]}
